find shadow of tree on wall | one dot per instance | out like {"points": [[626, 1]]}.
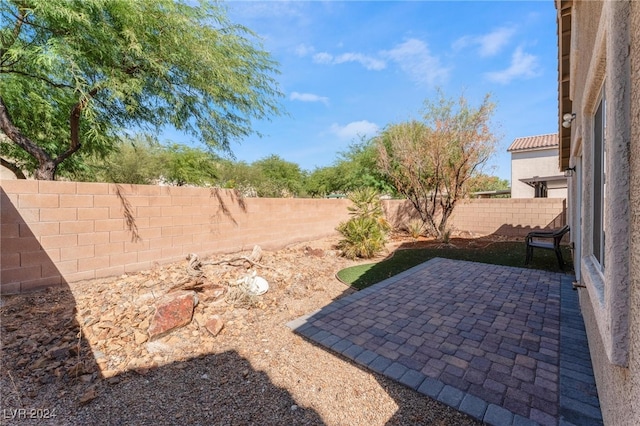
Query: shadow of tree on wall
{"points": [[43, 347], [223, 209], [128, 213], [401, 213]]}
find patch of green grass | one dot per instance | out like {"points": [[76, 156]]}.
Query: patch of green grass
{"points": [[497, 253]]}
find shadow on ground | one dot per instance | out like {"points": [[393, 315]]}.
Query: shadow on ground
{"points": [[211, 389], [484, 250], [43, 349]]}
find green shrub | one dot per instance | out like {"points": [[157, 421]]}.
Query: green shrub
{"points": [[365, 233], [363, 237]]}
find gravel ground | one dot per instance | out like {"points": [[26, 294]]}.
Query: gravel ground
{"points": [[255, 371]]}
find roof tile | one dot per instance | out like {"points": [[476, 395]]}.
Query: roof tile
{"points": [[534, 142]]}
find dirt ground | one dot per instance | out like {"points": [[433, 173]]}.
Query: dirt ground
{"points": [[82, 352]]}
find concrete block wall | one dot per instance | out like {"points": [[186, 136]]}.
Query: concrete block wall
{"points": [[510, 217], [52, 233], [58, 232], [501, 216]]}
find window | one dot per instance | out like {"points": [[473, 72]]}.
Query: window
{"points": [[599, 182]]}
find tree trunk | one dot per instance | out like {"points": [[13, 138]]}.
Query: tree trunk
{"points": [[46, 170], [46, 164]]}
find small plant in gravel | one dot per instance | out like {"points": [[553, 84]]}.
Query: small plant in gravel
{"points": [[365, 234], [415, 228]]}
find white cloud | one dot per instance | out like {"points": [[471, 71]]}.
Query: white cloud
{"points": [[322, 58], [523, 65], [355, 130], [415, 59], [488, 44], [368, 62], [303, 50], [492, 43], [308, 97]]}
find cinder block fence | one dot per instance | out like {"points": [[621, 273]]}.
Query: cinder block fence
{"points": [[512, 217], [54, 233]]}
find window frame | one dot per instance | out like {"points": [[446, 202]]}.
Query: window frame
{"points": [[599, 181]]}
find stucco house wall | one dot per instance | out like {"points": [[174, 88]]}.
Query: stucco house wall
{"points": [[605, 63], [528, 164]]}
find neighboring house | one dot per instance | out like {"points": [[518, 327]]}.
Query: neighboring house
{"points": [[599, 82], [534, 168]]}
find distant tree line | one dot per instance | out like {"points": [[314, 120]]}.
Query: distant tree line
{"points": [[143, 160]]}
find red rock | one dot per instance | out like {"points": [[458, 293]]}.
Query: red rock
{"points": [[308, 251], [172, 312], [89, 395], [214, 324]]}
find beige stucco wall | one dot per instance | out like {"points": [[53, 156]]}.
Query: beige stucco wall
{"points": [[606, 54], [528, 164]]}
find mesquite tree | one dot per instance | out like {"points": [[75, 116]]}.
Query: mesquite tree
{"points": [[76, 74], [431, 161]]}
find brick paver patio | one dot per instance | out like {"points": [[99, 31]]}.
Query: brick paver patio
{"points": [[504, 345]]}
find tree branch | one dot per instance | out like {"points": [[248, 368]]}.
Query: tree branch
{"points": [[14, 168], [74, 120], [15, 33], [18, 138], [37, 77]]}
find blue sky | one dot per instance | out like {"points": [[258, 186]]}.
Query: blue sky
{"points": [[351, 68]]}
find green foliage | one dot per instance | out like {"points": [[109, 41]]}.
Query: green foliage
{"points": [[137, 161], [270, 177], [365, 233], [240, 176], [431, 162], [281, 178], [73, 75], [142, 160], [483, 182], [183, 165], [322, 182], [363, 237], [354, 169], [366, 203]]}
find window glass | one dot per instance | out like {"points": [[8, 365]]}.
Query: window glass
{"points": [[599, 182]]}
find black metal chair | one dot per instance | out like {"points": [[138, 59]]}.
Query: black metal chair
{"points": [[540, 239]]}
